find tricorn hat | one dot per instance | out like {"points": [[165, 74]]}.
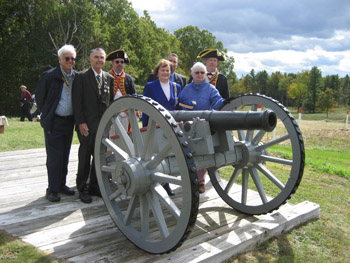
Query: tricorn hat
{"points": [[119, 53], [211, 53]]}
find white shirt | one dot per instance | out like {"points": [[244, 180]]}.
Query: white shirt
{"points": [[166, 89]]}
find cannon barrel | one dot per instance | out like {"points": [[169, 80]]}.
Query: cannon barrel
{"points": [[231, 120]]}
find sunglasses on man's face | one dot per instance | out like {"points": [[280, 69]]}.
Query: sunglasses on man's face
{"points": [[199, 72], [69, 58], [119, 61]]}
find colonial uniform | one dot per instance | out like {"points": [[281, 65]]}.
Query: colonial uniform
{"points": [[217, 79], [123, 83]]}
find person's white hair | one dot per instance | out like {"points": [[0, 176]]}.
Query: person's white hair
{"points": [[198, 65], [65, 49]]}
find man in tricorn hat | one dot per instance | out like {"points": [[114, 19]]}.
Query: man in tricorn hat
{"points": [[123, 83], [211, 60]]}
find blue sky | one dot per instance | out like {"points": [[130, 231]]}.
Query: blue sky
{"points": [[276, 35]]}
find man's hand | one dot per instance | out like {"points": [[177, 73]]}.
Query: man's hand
{"points": [[84, 130]]}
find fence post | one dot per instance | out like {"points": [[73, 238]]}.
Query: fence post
{"points": [[299, 121], [347, 120]]}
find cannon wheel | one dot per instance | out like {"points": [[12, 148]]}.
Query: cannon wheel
{"points": [[131, 171], [271, 165]]}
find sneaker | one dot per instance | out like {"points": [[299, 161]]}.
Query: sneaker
{"points": [[52, 196]]}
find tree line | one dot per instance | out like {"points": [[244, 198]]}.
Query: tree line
{"points": [[32, 31], [307, 89]]}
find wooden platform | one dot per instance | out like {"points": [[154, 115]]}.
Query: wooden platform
{"points": [[81, 232]]}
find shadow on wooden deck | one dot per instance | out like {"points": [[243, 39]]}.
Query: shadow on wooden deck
{"points": [[81, 232]]}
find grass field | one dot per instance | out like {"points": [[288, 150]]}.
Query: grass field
{"points": [[326, 181]]}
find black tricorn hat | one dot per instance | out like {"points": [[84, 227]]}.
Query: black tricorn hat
{"points": [[119, 53], [211, 53]]}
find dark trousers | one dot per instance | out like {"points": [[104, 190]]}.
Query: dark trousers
{"points": [[86, 166], [58, 142], [25, 112]]}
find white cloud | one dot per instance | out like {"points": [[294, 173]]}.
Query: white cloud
{"points": [[154, 5], [291, 61], [286, 36]]}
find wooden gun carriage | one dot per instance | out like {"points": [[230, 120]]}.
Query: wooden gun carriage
{"points": [[252, 169]]}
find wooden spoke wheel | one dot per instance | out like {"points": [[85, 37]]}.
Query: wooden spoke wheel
{"points": [[132, 168], [272, 164]]}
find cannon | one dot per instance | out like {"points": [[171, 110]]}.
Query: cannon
{"points": [[252, 169]]}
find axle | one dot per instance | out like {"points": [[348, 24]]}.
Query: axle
{"points": [[231, 120]]}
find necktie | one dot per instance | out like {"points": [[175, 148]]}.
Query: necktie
{"points": [[210, 74], [99, 83]]}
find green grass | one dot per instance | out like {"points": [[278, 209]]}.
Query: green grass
{"points": [[15, 251], [24, 135], [326, 181], [336, 114]]}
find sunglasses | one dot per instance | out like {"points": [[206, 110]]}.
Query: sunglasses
{"points": [[199, 72], [69, 58], [119, 61]]}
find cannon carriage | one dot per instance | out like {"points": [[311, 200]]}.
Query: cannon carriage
{"points": [[251, 169]]}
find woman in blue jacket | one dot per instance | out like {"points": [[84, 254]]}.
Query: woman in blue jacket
{"points": [[165, 92], [200, 95], [162, 90]]}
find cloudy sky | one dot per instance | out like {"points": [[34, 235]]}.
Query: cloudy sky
{"points": [[274, 35]]}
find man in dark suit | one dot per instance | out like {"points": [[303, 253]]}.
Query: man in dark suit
{"points": [[174, 77], [92, 94], [211, 60], [54, 100]]}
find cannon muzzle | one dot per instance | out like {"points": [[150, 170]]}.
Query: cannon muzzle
{"points": [[231, 120]]}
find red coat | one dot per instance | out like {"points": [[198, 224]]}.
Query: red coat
{"points": [[26, 97]]}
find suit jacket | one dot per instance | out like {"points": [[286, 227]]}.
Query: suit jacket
{"points": [[221, 85], [179, 79], [129, 85], [154, 91], [48, 94], [88, 104]]}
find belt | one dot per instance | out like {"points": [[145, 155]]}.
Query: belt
{"points": [[70, 117]]}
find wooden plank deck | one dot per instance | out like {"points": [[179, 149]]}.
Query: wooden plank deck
{"points": [[81, 232]]}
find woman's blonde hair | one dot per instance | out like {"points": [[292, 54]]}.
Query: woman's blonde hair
{"points": [[162, 63]]}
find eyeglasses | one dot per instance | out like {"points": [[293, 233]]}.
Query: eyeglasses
{"points": [[199, 72], [69, 58], [119, 61]]}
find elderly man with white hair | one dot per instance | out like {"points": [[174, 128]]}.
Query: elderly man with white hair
{"points": [[200, 95], [54, 100]]}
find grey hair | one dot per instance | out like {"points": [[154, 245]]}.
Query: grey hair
{"points": [[173, 55], [66, 49], [97, 49], [198, 65]]}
